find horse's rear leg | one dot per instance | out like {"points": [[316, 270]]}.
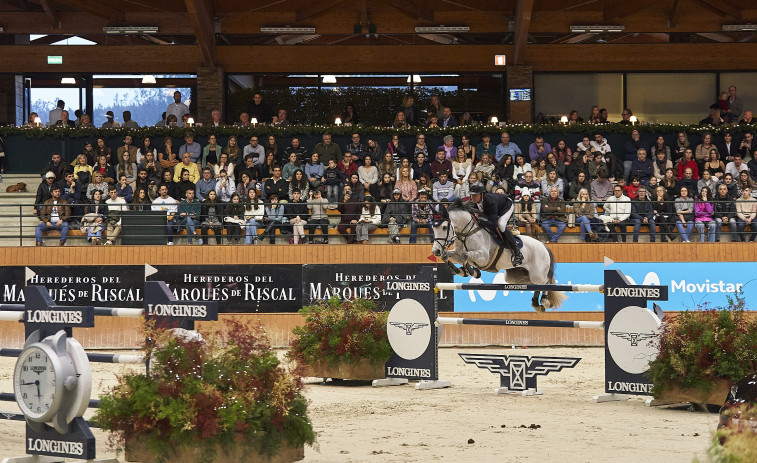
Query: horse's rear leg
{"points": [[535, 302]]}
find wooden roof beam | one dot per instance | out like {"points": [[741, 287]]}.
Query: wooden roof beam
{"points": [[201, 15], [96, 8], [675, 12], [523, 11], [411, 9], [723, 8], [52, 16], [317, 9], [625, 8]]}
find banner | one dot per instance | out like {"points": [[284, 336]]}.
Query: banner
{"points": [[369, 281], [691, 285]]}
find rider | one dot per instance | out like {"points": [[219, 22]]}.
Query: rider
{"points": [[498, 208]]}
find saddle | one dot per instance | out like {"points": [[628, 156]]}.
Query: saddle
{"points": [[492, 230]]}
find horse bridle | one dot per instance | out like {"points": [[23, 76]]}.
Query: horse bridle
{"points": [[472, 226]]}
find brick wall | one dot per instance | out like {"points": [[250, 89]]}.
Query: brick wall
{"points": [[210, 93]]}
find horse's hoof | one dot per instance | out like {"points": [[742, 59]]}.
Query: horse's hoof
{"points": [[476, 273], [540, 309]]}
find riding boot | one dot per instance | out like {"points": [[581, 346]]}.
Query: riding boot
{"points": [[509, 241]]}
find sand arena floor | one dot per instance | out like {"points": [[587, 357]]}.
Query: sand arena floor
{"points": [[358, 423]]}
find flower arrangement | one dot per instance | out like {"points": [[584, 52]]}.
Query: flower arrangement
{"points": [[221, 392], [701, 347], [341, 332], [737, 439]]}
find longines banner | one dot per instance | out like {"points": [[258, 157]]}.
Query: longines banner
{"points": [[237, 288]]}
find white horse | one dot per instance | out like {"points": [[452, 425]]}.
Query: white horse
{"points": [[459, 237]]}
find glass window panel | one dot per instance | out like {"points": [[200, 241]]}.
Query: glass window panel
{"points": [[671, 97]]}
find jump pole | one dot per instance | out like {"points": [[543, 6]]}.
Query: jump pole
{"points": [[517, 287], [518, 322]]}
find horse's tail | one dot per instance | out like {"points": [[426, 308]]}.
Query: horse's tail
{"points": [[555, 298]]}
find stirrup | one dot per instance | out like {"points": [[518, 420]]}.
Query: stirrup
{"points": [[517, 259]]}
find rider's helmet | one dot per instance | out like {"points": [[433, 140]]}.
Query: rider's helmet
{"points": [[477, 188]]}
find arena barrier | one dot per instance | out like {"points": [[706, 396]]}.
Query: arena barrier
{"points": [[413, 329], [66, 434]]}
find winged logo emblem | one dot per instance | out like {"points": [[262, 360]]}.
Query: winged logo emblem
{"points": [[635, 338], [519, 372], [408, 327]]}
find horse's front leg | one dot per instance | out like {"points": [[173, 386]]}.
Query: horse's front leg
{"points": [[455, 269], [476, 255], [535, 302]]}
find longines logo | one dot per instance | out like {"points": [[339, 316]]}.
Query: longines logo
{"points": [[408, 327], [646, 293], [519, 372], [634, 338]]}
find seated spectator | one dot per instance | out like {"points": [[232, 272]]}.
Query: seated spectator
{"points": [[98, 184], [661, 163], [192, 147], [186, 163], [485, 167], [347, 167], [708, 181], [664, 214], [254, 211], [746, 214], [368, 175], [617, 212], [538, 149], [642, 167], [395, 216], [443, 188], [296, 213], [296, 148], [167, 157], [211, 153], [421, 166], [169, 206], [660, 147], [409, 110], [528, 184], [350, 213], [631, 149], [71, 192], [670, 183], [128, 122], [702, 152], [153, 168], [334, 180], [553, 214], [442, 164], [274, 218], [181, 188], [526, 213], [485, 147], [585, 212], [563, 154], [684, 206], [356, 149], [422, 214], [506, 148], [724, 211], [388, 166], [581, 182], [469, 151], [276, 185], [703, 215], [116, 206], [318, 216], [107, 171], [447, 120], [299, 182], [385, 189], [505, 170], [733, 188], [82, 166], [225, 187], [314, 172], [736, 166], [400, 121], [632, 190], [642, 213], [406, 185], [596, 162], [288, 170], [190, 210], [141, 201], [520, 167], [584, 146], [205, 184], [713, 118], [142, 183], [212, 213], [553, 164], [54, 213], [744, 181], [327, 150], [600, 145], [370, 218], [553, 181], [687, 181], [233, 219]]}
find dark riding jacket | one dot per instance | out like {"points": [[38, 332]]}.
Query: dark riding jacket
{"points": [[495, 205]]}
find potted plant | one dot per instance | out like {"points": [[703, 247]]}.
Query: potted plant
{"points": [[343, 340], [223, 396], [703, 352]]}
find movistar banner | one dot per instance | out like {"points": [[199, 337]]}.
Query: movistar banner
{"points": [[690, 284]]}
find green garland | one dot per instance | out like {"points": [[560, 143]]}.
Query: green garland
{"points": [[262, 130]]}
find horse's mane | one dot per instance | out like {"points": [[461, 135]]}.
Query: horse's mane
{"points": [[460, 205]]}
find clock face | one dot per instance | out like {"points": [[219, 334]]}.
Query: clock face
{"points": [[35, 384]]}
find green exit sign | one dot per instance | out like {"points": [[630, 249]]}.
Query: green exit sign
{"points": [[54, 60]]}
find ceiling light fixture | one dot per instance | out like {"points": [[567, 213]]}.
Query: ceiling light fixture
{"points": [[68, 80], [739, 27], [287, 30], [130, 29], [596, 28], [329, 79], [148, 79], [440, 29], [415, 78]]}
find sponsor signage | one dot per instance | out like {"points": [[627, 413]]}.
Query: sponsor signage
{"points": [[519, 372], [690, 284], [42, 313], [411, 330], [380, 282], [79, 443]]}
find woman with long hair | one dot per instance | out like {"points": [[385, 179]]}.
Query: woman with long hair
{"points": [[585, 210], [406, 185], [562, 152], [146, 148], [669, 182], [385, 188], [420, 147], [467, 148], [210, 153], [223, 164], [253, 216], [388, 166], [368, 175], [370, 218], [660, 146], [299, 182], [743, 182], [140, 201], [462, 166], [715, 165], [102, 148], [702, 153], [400, 122], [398, 150], [167, 156], [232, 149], [271, 145], [581, 182], [594, 117], [520, 167], [234, 219], [661, 163], [408, 108], [703, 215], [682, 143], [664, 213], [128, 168], [684, 206]]}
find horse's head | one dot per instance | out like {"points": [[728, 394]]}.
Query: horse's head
{"points": [[444, 234]]}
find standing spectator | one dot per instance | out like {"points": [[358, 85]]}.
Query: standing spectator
{"points": [[128, 122], [54, 214], [422, 216], [110, 123], [190, 210], [257, 109], [211, 217], [735, 104], [169, 206], [447, 119], [553, 214], [724, 212], [55, 114], [409, 110], [318, 216], [177, 108], [370, 218], [617, 211], [746, 213], [685, 211], [642, 213], [350, 214]]}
